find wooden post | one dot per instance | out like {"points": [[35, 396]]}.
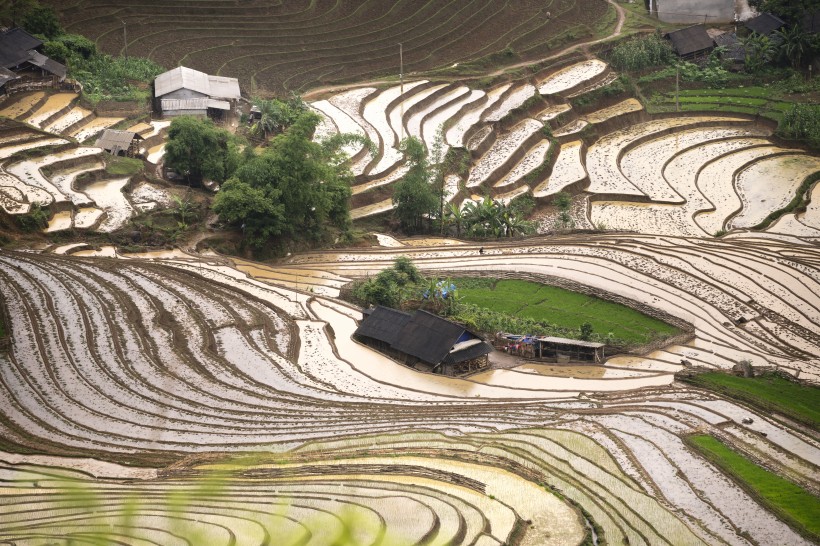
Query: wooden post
{"points": [[401, 84]]}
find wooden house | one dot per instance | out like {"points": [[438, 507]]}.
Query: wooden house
{"points": [[20, 60], [185, 91], [691, 42], [424, 341]]}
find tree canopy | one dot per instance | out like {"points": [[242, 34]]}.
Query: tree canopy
{"points": [[414, 196], [295, 188], [199, 150]]}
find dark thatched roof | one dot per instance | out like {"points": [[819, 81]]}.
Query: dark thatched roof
{"points": [[765, 23], [734, 49], [383, 324], [689, 40], [423, 335]]}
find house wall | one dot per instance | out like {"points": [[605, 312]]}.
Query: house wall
{"points": [[694, 11], [184, 94], [173, 113]]}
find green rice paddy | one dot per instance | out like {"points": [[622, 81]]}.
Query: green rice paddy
{"points": [[791, 502], [771, 392], [562, 308]]}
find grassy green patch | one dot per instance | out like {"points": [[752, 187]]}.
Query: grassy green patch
{"points": [[563, 308], [792, 503], [122, 166], [771, 392]]}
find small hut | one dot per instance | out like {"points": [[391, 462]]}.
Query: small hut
{"points": [[563, 350], [691, 42], [124, 143]]}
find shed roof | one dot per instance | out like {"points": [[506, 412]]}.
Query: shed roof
{"points": [[224, 88], [49, 65], [6, 76], [765, 23], [219, 104], [567, 341], [182, 77], [423, 335], [690, 40], [112, 139], [734, 49]]}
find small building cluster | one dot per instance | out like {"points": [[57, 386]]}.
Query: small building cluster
{"points": [[424, 341], [22, 63], [185, 91]]}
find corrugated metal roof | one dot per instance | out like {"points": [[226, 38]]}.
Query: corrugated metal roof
{"points": [[567, 341], [112, 139], [219, 104], [182, 77], [224, 88]]}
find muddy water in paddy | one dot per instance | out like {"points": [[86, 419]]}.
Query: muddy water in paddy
{"points": [[59, 222], [155, 153]]}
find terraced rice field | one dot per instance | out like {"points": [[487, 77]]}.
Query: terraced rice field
{"points": [[174, 398], [221, 356], [300, 44]]}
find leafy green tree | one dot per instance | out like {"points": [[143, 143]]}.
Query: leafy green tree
{"points": [[392, 286], [759, 51], [563, 201], [483, 219], [454, 216], [14, 11], [297, 187], [35, 219], [277, 115], [794, 44], [42, 20], [585, 331], [200, 150], [413, 196]]}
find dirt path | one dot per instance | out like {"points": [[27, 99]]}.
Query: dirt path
{"points": [[318, 91]]}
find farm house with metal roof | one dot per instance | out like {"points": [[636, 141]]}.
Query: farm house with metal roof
{"points": [[185, 91], [424, 341]]}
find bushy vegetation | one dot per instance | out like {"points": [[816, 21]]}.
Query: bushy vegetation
{"points": [[414, 196], [802, 122], [122, 166], [770, 392], [199, 150], [641, 52], [296, 188], [103, 77], [489, 218], [35, 219], [392, 286], [790, 501], [276, 115]]}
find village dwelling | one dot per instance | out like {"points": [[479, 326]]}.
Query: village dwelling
{"points": [[424, 341], [189, 92], [124, 143], [691, 42], [20, 60], [765, 24]]}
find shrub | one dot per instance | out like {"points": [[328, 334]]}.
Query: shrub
{"points": [[640, 53], [35, 220], [802, 122]]}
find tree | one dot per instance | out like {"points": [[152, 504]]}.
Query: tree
{"points": [[297, 187], [276, 115], [793, 44], [42, 20], [413, 196], [759, 51], [15, 10], [585, 331], [454, 216], [200, 150]]}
